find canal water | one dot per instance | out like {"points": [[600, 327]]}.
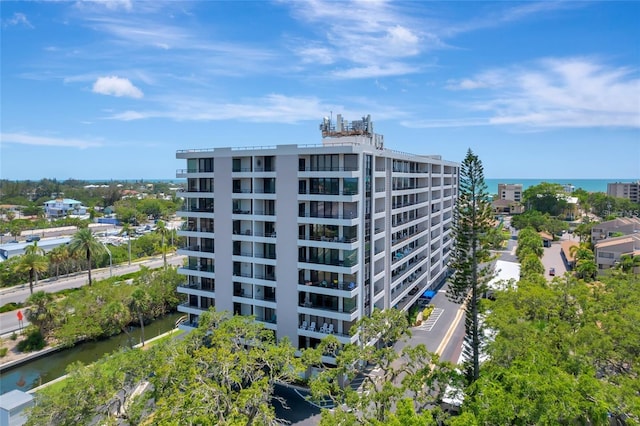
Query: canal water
{"points": [[42, 370]]}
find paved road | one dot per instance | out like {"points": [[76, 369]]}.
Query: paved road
{"points": [[18, 294], [552, 258]]}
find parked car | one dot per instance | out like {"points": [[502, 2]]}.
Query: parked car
{"points": [[552, 271], [32, 238]]}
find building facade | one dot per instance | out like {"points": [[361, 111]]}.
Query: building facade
{"points": [[61, 207], [629, 190], [510, 191], [615, 228], [608, 252], [308, 239]]}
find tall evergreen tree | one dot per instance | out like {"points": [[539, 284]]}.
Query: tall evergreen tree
{"points": [[470, 256]]}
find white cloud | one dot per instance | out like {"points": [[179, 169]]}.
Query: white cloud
{"points": [[108, 4], [274, 108], [17, 19], [551, 93], [446, 122], [26, 139], [116, 86], [378, 70], [366, 34]]}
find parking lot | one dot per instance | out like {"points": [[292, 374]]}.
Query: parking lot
{"points": [[552, 258]]}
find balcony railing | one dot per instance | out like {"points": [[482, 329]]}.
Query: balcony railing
{"points": [[327, 308], [266, 277], [345, 192], [198, 248], [328, 169], [330, 216], [203, 268], [329, 239], [318, 261], [196, 286], [337, 285], [243, 274]]}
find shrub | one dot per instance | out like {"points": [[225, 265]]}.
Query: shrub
{"points": [[14, 336], [33, 342], [11, 306], [3, 352], [427, 311]]}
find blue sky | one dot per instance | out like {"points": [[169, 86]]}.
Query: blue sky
{"points": [[111, 89]]}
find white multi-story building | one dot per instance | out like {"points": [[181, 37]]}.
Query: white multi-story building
{"points": [[310, 238]]}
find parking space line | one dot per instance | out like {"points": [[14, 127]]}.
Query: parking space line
{"points": [[431, 321]]}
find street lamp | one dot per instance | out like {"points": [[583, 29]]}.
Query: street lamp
{"points": [[110, 262]]}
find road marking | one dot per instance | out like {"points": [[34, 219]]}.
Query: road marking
{"points": [[452, 328], [431, 321]]}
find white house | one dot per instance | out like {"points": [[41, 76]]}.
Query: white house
{"points": [[61, 207]]}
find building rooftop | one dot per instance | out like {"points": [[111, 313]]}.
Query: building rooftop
{"points": [[64, 201], [14, 399], [611, 242]]}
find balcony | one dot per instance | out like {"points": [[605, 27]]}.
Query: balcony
{"points": [[318, 261], [187, 308], [332, 239], [337, 285], [200, 268], [353, 215], [328, 169], [197, 248], [310, 305], [325, 193]]}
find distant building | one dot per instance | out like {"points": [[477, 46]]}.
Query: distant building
{"points": [[615, 228], [608, 252], [506, 207], [61, 207], [629, 190], [16, 249], [547, 238], [510, 191]]}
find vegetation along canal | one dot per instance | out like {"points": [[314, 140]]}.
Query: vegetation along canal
{"points": [[43, 370]]}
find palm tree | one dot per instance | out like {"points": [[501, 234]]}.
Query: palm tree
{"points": [[85, 242], [58, 256], [629, 262], [127, 229], [34, 249], [41, 312], [33, 263], [139, 302], [162, 229]]}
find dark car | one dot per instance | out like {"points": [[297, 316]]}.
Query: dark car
{"points": [[552, 271], [32, 238]]}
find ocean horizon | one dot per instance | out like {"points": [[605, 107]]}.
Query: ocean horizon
{"points": [[589, 185]]}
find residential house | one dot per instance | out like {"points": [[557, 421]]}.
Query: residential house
{"points": [[615, 228], [61, 207], [609, 251]]}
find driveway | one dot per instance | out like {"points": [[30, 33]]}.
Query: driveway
{"points": [[552, 257]]}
